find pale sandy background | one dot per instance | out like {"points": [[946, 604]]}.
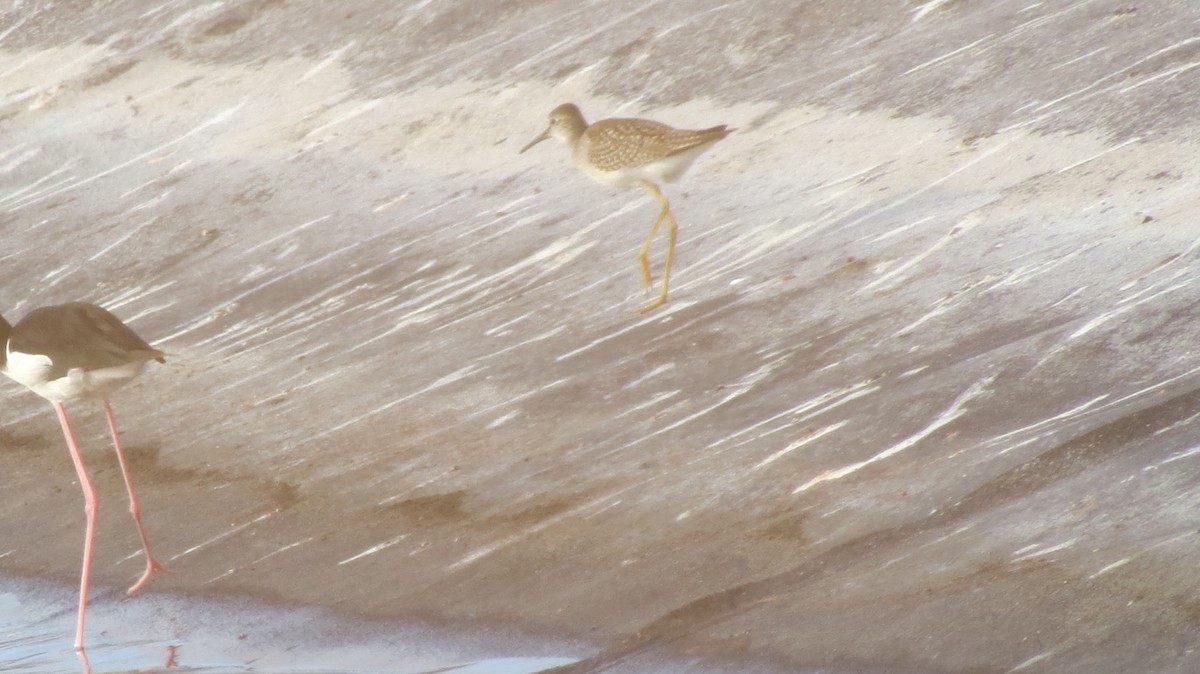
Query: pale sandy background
{"points": [[925, 397]]}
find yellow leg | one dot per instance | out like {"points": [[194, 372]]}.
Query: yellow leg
{"points": [[644, 254], [672, 229]]}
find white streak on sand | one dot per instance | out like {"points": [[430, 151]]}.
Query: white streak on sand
{"points": [[373, 549], [122, 239], [327, 61], [67, 165], [1032, 661], [1093, 89], [219, 118], [552, 256], [1047, 421], [357, 111], [1105, 317], [15, 26], [946, 56], [225, 534], [1166, 74], [895, 231], [956, 410], [815, 435], [1096, 156], [524, 533], [285, 548], [926, 8], [768, 241], [654, 400], [661, 368], [513, 400], [743, 388], [964, 226], [1178, 456], [1082, 57], [1191, 531], [931, 185], [1184, 256], [1025, 273], [503, 419], [1085, 408], [1115, 565], [286, 234], [596, 342], [1033, 551], [25, 156], [578, 37], [808, 409], [438, 383]]}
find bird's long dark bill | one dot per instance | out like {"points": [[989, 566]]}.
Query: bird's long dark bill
{"points": [[535, 141]]}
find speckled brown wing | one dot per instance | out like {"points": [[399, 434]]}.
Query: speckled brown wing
{"points": [[615, 144]]}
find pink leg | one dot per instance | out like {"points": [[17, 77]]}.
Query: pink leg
{"points": [[152, 564], [89, 508]]}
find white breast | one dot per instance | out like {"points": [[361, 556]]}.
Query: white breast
{"points": [[33, 372], [660, 171]]}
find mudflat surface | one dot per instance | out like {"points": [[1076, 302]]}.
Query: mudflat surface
{"points": [[201, 635], [925, 397]]}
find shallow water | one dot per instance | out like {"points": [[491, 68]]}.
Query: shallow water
{"points": [[157, 632]]}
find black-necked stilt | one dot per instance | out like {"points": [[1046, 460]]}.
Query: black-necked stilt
{"points": [[72, 352]]}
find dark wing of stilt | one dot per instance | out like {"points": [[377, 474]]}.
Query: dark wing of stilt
{"points": [[80, 335]]}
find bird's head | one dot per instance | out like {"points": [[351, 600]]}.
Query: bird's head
{"points": [[566, 124]]}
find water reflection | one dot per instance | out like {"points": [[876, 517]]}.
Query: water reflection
{"points": [[158, 633]]}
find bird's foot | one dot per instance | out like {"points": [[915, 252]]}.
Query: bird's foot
{"points": [[651, 305], [152, 567]]}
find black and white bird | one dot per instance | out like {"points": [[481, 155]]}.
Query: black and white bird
{"points": [[72, 352]]}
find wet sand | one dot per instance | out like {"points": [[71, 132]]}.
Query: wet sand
{"points": [[161, 632], [923, 398]]}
